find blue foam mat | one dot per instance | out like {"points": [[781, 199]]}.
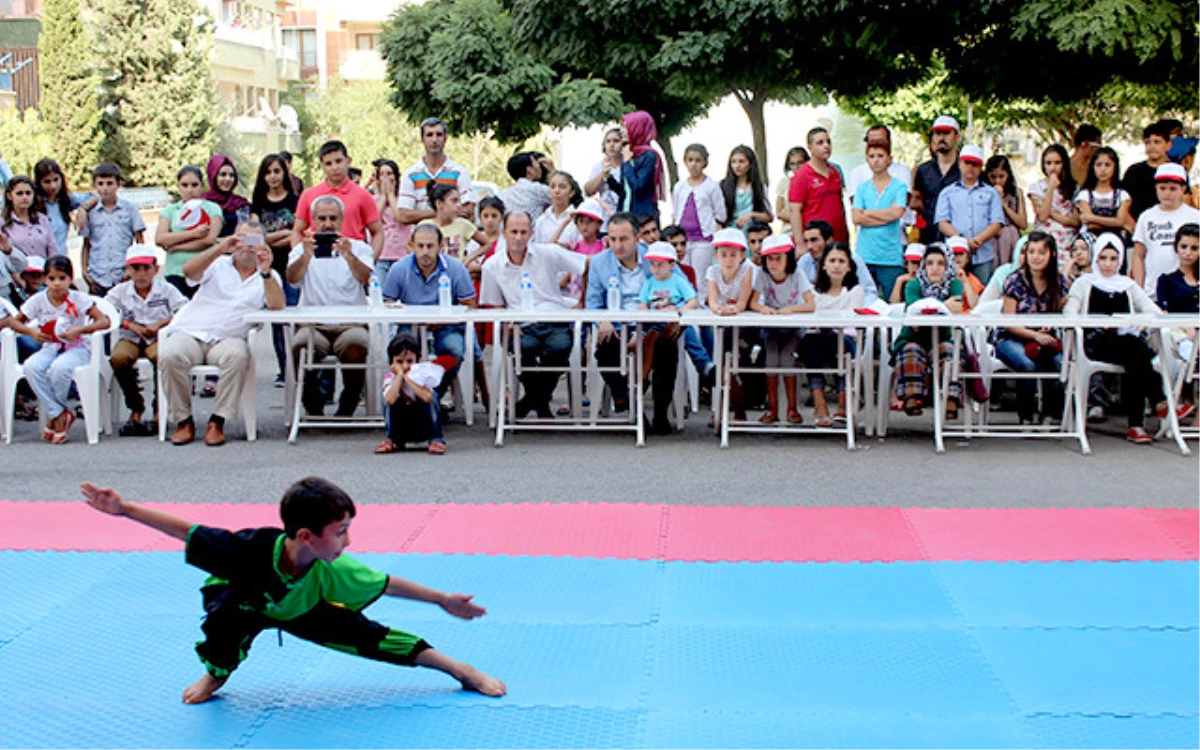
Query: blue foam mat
{"points": [[608, 653], [1075, 594]]}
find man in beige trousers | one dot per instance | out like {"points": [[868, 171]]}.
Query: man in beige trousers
{"points": [[234, 278]]}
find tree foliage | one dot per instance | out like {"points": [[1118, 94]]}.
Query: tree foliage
{"points": [[69, 103], [25, 139], [457, 60], [156, 86], [358, 113]]}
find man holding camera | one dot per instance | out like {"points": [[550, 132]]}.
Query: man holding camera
{"points": [[234, 278], [329, 270]]}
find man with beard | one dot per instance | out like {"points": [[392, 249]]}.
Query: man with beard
{"points": [[939, 172]]}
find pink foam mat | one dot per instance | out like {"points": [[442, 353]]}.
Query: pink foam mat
{"points": [[666, 532]]}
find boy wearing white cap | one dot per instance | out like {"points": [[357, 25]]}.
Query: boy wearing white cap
{"points": [[147, 304], [972, 209], [1154, 236], [665, 289], [32, 279]]}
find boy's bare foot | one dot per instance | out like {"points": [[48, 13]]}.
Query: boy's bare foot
{"points": [[478, 682], [202, 689]]}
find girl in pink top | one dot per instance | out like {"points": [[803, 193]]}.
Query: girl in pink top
{"points": [[387, 196]]}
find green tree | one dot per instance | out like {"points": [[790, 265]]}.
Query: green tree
{"points": [[457, 60], [25, 139], [69, 103], [359, 114], [156, 83]]}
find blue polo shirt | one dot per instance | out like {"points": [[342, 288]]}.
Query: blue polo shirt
{"points": [[970, 210], [880, 246], [406, 283]]}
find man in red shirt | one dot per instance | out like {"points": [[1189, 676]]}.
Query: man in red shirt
{"points": [[360, 214], [816, 190]]}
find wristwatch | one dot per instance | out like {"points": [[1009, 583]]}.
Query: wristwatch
{"points": [[266, 275]]}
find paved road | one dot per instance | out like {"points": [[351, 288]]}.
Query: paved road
{"points": [[901, 470]]}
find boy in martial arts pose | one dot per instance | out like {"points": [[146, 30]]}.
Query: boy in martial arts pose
{"points": [[296, 579]]}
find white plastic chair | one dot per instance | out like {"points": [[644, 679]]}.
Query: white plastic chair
{"points": [[249, 392], [1184, 378], [11, 372], [91, 380], [507, 369]]}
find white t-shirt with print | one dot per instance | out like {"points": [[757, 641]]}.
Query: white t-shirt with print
{"points": [[1156, 230], [72, 313]]}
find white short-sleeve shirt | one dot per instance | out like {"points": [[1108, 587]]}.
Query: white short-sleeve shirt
{"points": [[501, 282], [161, 303], [221, 303], [329, 281]]}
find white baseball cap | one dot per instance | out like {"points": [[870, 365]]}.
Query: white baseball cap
{"points": [[663, 251], [958, 244], [777, 243], [729, 237], [590, 208], [35, 264], [1170, 173], [915, 251], [972, 154], [192, 214], [945, 122], [141, 253]]}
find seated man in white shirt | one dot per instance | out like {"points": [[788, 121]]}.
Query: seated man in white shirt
{"points": [[542, 344], [234, 279], [329, 270]]}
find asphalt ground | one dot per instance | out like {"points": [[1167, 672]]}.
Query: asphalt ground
{"points": [[686, 468]]}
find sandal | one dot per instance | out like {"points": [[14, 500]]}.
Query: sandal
{"points": [[913, 407], [951, 411], [839, 417], [824, 420], [437, 447], [794, 417], [386, 446], [60, 437], [769, 417]]}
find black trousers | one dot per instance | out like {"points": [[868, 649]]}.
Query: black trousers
{"points": [[1140, 381]]}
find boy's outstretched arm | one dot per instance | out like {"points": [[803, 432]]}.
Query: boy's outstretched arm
{"points": [[106, 500], [459, 605]]}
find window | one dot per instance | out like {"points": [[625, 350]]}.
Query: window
{"points": [[304, 43], [365, 42]]}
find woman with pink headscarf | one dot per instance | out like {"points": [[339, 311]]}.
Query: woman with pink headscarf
{"points": [[642, 171]]}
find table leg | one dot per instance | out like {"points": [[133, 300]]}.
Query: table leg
{"points": [[1169, 389], [468, 362], [935, 375], [640, 400]]}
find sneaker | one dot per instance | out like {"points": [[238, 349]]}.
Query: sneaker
{"points": [[280, 381], [1139, 436], [1096, 414], [1182, 412]]}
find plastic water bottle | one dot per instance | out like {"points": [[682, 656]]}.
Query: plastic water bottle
{"points": [[614, 294], [444, 299], [375, 293], [526, 291]]}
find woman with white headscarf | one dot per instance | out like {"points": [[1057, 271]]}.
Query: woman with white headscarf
{"points": [[1106, 291]]}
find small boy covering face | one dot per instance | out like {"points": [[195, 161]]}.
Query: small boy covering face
{"points": [[296, 579]]}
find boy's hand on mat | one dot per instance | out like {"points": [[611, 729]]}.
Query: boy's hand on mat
{"points": [[460, 605], [103, 499]]}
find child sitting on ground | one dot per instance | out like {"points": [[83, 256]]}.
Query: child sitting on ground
{"points": [[413, 413], [296, 579]]}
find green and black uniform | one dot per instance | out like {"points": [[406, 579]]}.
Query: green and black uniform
{"points": [[247, 593]]}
